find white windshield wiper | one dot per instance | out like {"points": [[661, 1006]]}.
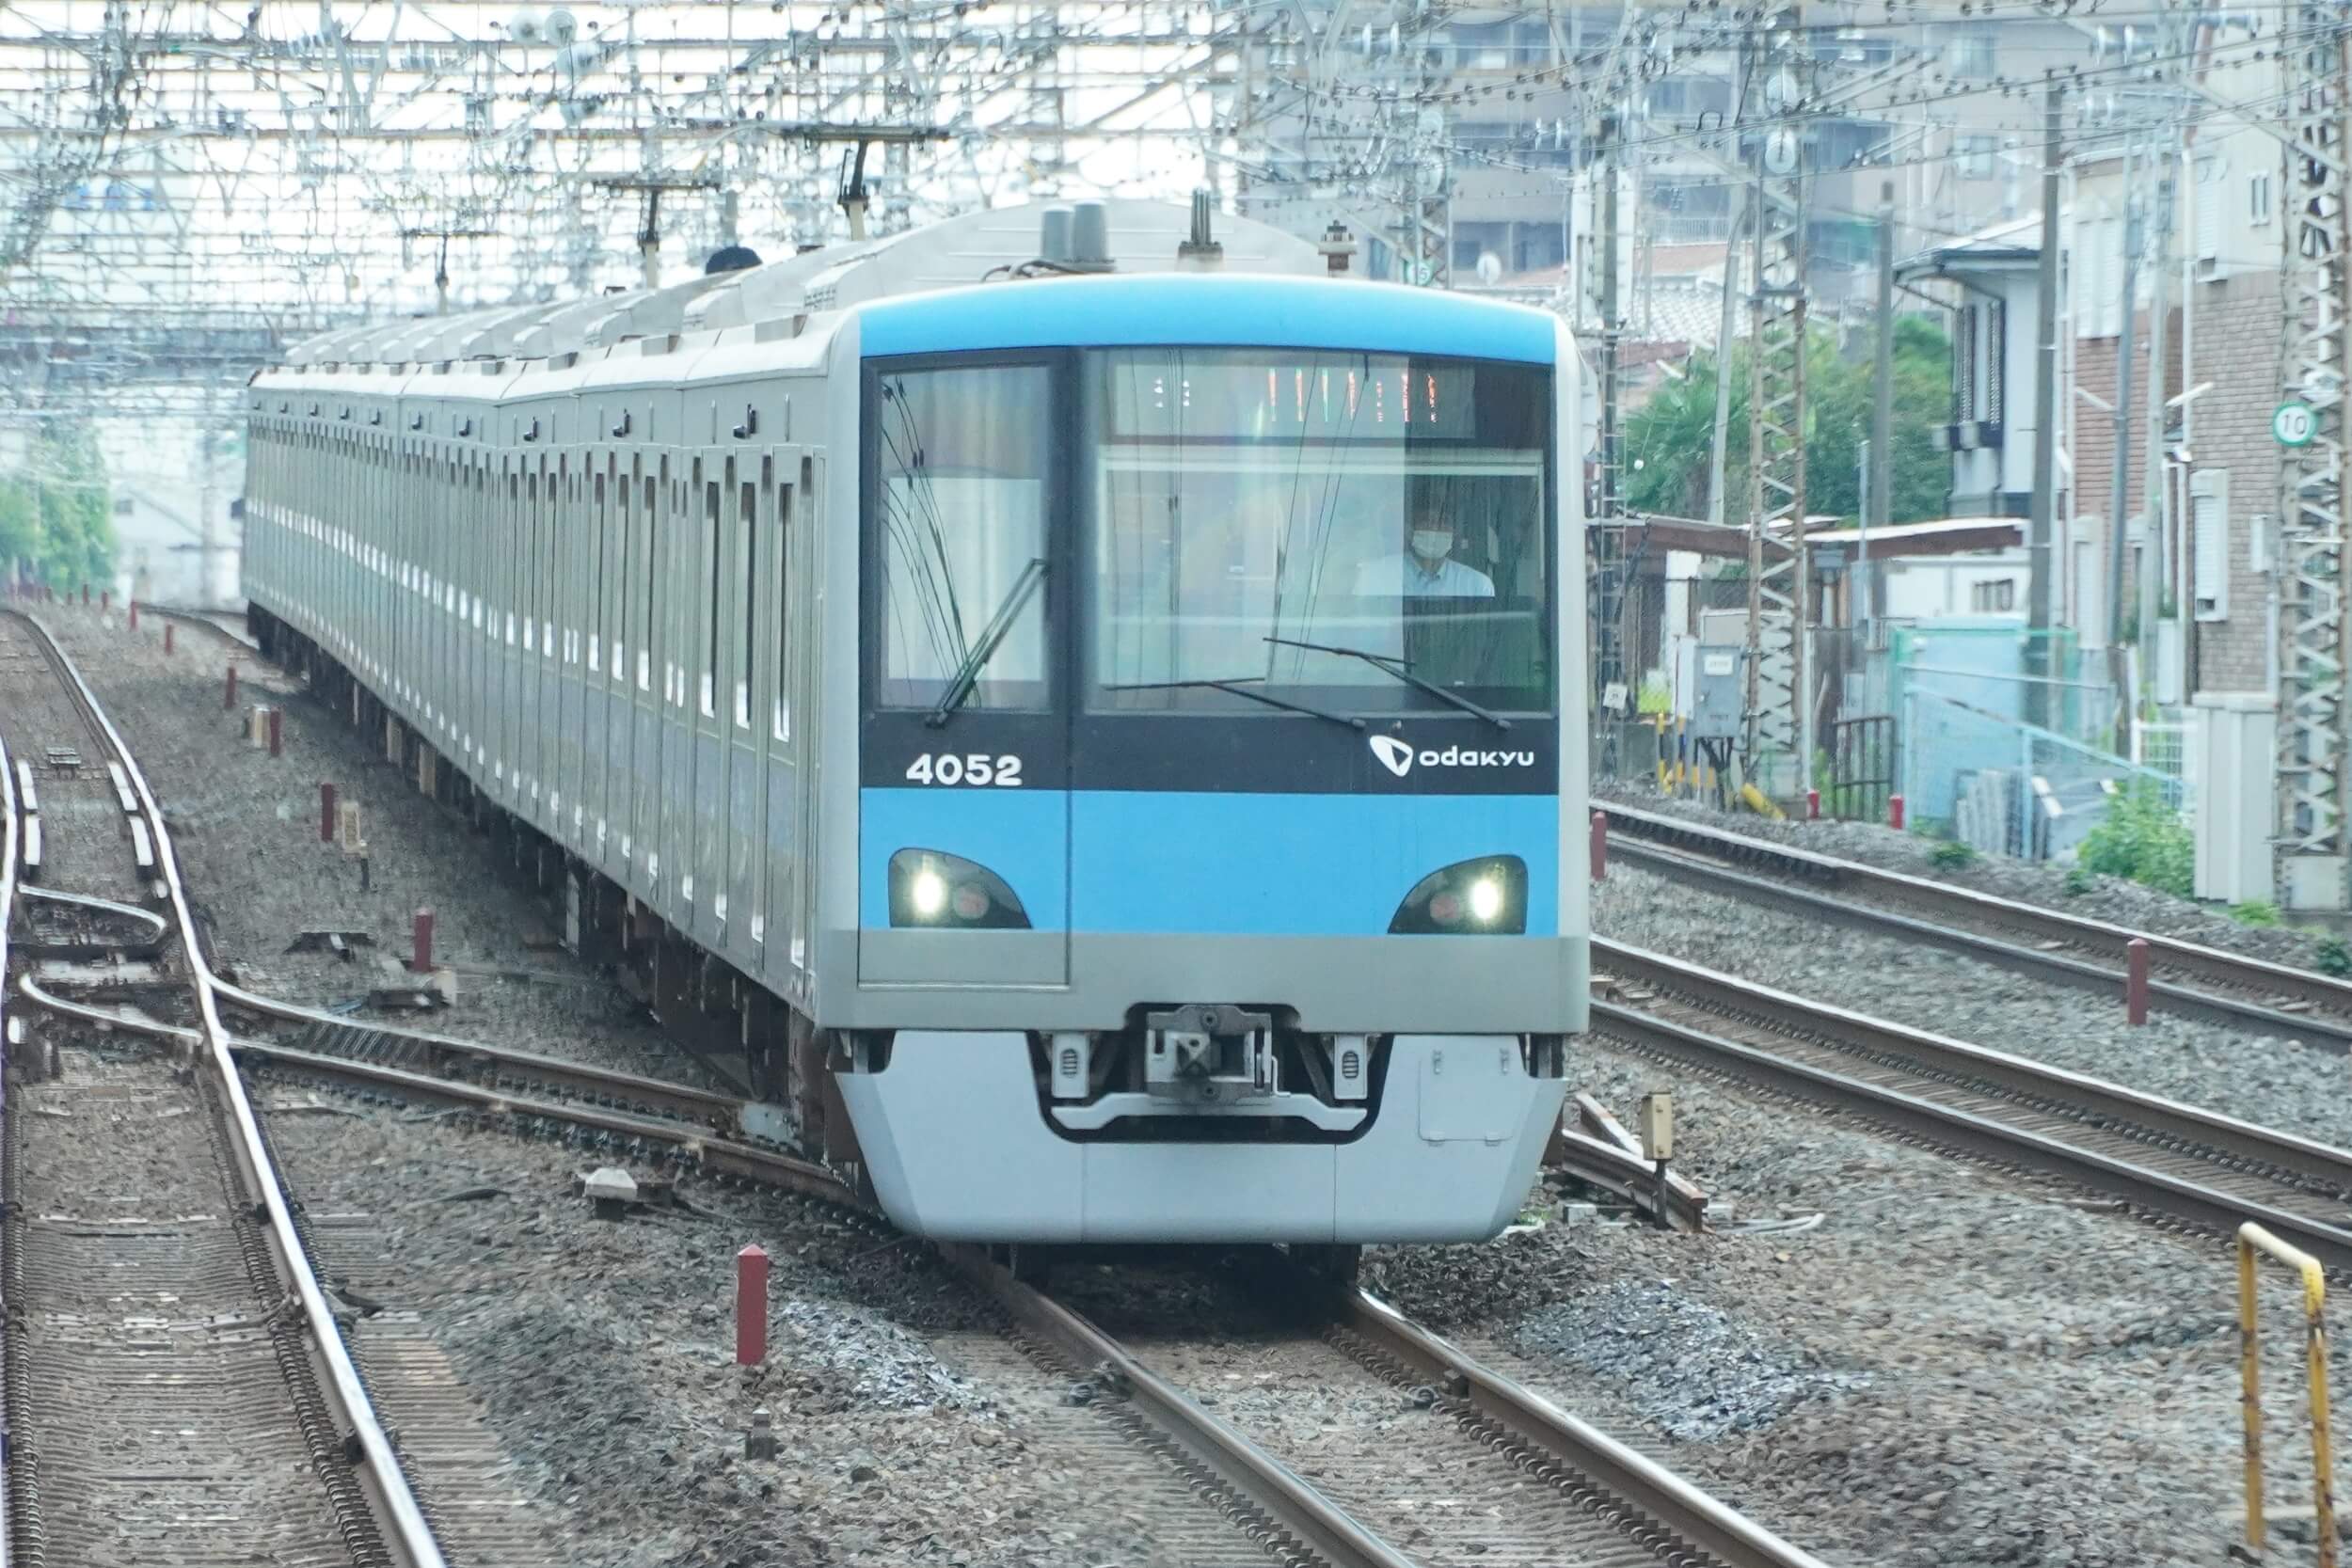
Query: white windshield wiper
{"points": [[1239, 687], [999, 627], [1401, 670]]}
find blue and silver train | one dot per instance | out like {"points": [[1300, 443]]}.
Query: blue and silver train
{"points": [[1094, 721]]}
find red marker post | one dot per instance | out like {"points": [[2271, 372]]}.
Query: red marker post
{"points": [[327, 813], [751, 1307], [228, 701], [2135, 982], [1894, 811], [420, 941], [168, 629], [135, 615], [1812, 805], [1600, 845], [277, 733]]}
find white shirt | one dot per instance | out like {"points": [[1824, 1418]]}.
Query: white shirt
{"points": [[1403, 575]]}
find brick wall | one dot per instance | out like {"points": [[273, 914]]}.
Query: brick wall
{"points": [[2235, 346]]}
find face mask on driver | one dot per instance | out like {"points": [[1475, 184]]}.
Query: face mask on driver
{"points": [[1432, 543]]}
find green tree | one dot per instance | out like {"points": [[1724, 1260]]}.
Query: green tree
{"points": [[56, 509], [1671, 435]]}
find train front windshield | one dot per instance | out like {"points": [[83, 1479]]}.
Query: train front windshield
{"points": [[1300, 526], [1261, 523]]}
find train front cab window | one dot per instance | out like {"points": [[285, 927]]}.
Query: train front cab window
{"points": [[1248, 504], [960, 535]]}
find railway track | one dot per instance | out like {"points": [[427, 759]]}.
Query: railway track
{"points": [[2186, 977], [1598, 1493], [1597, 1498], [2176, 1163], [157, 1283], [228, 627]]}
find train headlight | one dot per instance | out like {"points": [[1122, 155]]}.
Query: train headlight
{"points": [[930, 887], [1476, 897], [928, 894]]}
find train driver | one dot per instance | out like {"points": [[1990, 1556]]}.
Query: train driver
{"points": [[1421, 569]]}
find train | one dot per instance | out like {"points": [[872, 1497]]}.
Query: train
{"points": [[1087, 699]]}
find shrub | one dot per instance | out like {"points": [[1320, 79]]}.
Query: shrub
{"points": [[1952, 856], [2143, 837], [2078, 882], [2334, 956], [2255, 912]]}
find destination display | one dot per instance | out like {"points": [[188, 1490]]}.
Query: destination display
{"points": [[1307, 397]]}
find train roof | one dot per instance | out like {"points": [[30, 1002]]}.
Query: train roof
{"points": [[1141, 237]]}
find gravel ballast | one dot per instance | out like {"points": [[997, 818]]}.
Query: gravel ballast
{"points": [[2260, 1078], [2114, 899], [1957, 1367], [246, 826], [603, 1353]]}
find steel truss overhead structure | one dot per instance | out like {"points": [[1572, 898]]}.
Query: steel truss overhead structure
{"points": [[165, 164], [2312, 864], [1778, 743]]}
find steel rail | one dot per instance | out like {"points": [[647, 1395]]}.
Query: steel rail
{"points": [[203, 620], [377, 1466], [2107, 1101], [707, 1107], [2195, 961], [2100, 1104], [106, 907], [1294, 1505], [1657, 1492], [1313, 1520], [2038, 963], [9, 828]]}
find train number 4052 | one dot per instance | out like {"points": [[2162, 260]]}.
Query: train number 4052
{"points": [[970, 768]]}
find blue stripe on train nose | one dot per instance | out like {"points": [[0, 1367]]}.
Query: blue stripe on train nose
{"points": [[1227, 864]]}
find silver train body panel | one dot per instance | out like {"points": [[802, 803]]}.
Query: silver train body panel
{"points": [[671, 693]]}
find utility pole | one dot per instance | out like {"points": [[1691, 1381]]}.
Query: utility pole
{"points": [[2044, 521], [2120, 497], [1779, 751], [1611, 690], [1716, 510], [2311, 867], [2154, 567], [1878, 506]]}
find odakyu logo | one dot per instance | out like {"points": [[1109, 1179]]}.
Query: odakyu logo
{"points": [[1399, 757]]}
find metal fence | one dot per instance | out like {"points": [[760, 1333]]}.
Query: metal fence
{"points": [[2005, 786], [2014, 746]]}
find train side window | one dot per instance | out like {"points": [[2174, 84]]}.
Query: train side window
{"points": [[596, 603], [779, 716], [624, 527], [710, 599], [527, 555], [651, 569], [748, 522]]}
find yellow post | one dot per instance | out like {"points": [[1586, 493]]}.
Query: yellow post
{"points": [[2250, 1237]]}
